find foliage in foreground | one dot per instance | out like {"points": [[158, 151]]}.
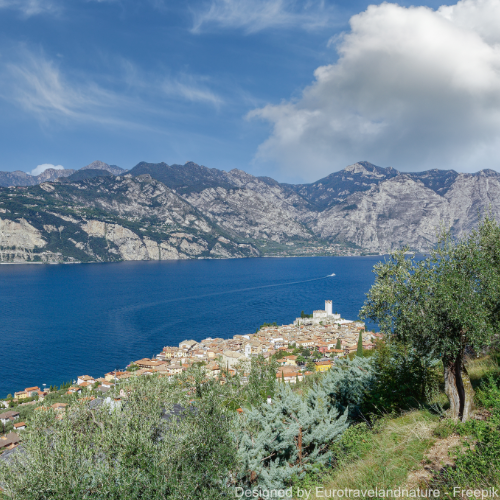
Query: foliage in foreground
{"points": [[125, 452], [442, 304], [128, 451], [405, 379], [288, 438]]}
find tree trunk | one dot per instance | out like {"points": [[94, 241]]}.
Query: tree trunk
{"points": [[458, 387]]}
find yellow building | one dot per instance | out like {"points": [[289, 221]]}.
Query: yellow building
{"points": [[323, 366]]}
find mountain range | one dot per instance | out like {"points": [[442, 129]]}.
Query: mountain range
{"points": [[155, 211]]}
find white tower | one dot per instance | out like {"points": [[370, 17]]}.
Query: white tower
{"points": [[328, 307]]}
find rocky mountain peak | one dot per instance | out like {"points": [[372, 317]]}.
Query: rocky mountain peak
{"points": [[368, 169], [487, 172], [96, 165], [100, 165]]}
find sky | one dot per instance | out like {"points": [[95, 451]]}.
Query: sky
{"points": [[292, 89]]}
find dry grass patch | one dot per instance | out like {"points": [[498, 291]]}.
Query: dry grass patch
{"points": [[480, 368], [396, 448]]}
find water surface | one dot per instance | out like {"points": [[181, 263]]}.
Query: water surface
{"points": [[61, 321]]}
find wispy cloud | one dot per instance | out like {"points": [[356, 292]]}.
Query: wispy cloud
{"points": [[191, 90], [257, 15], [126, 97], [31, 7], [38, 85], [188, 87]]}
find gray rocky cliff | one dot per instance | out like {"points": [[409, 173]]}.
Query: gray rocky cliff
{"points": [[157, 211]]}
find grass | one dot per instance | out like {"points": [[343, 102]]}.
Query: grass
{"points": [[381, 457], [480, 368]]}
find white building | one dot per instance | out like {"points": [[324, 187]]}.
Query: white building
{"points": [[321, 316]]}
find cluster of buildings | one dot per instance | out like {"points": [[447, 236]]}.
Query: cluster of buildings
{"points": [[320, 333], [325, 334], [29, 392]]}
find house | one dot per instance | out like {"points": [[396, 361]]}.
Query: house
{"points": [[9, 441], [169, 352], [85, 378], [322, 347], [305, 343], [187, 344], [323, 366], [113, 375], [174, 369], [148, 363], [9, 416], [180, 353], [29, 392], [144, 371], [290, 360], [212, 369], [32, 391], [20, 426], [231, 358], [59, 407]]}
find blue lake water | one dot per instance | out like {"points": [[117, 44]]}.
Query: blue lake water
{"points": [[61, 321]]}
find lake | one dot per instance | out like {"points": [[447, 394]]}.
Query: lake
{"points": [[61, 321]]}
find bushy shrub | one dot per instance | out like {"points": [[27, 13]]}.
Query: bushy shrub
{"points": [[281, 442], [404, 378], [126, 451]]}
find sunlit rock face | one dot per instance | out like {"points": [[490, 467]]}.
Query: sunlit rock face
{"points": [[160, 211]]}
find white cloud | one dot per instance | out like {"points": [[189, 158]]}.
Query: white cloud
{"points": [[413, 88], [41, 168], [30, 7], [257, 15]]}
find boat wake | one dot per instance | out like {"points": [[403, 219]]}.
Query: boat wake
{"points": [[214, 294]]}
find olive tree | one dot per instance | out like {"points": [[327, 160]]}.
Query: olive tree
{"points": [[139, 448], [442, 304]]}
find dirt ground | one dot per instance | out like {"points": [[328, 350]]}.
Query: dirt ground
{"points": [[435, 460]]}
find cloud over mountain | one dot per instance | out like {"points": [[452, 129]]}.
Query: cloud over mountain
{"points": [[41, 168], [412, 87]]}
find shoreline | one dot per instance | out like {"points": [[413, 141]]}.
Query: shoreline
{"points": [[194, 259], [272, 339]]}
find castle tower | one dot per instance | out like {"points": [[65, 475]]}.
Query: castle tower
{"points": [[328, 307]]}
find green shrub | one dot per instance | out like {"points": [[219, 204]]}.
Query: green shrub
{"points": [[127, 452], [404, 378]]}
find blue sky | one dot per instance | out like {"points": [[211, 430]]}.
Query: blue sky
{"points": [[290, 89]]}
